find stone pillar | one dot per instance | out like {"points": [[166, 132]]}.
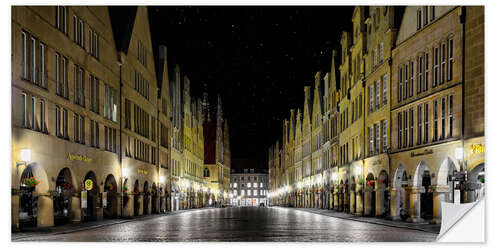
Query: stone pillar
{"points": [[116, 205], [141, 205], [359, 202], [352, 202], [439, 195], [150, 198], [336, 200], [162, 204], [15, 210], [128, 205], [368, 202], [76, 208], [379, 201], [395, 200], [414, 208], [45, 217]]}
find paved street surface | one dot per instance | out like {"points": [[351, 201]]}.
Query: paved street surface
{"points": [[239, 224]]}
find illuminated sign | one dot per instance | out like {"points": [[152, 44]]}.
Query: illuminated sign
{"points": [[477, 148], [83, 158], [89, 184], [142, 171]]}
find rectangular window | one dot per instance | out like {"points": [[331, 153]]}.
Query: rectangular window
{"points": [[425, 15], [381, 54], [450, 60], [75, 130], [58, 78], [384, 135], [426, 127], [405, 133], [419, 19], [400, 131], [432, 13], [419, 77], [65, 122], [370, 135], [426, 73], [443, 115], [61, 19], [58, 121], [443, 63], [33, 60], [82, 34], [75, 29], [450, 114], [377, 99], [377, 138], [91, 43], [384, 87], [375, 58], [419, 125], [33, 113], [410, 143], [82, 90], [64, 85], [435, 124], [24, 60], [96, 45], [42, 116], [435, 68], [405, 86], [82, 130], [371, 98], [400, 84], [43, 81]]}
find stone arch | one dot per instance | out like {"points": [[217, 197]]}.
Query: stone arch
{"points": [[423, 206], [112, 197], [33, 198], [400, 177], [382, 195], [446, 169], [475, 183], [383, 179]]}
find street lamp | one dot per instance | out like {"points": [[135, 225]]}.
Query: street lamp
{"points": [[25, 158]]}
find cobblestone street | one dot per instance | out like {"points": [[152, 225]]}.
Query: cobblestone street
{"points": [[238, 224]]}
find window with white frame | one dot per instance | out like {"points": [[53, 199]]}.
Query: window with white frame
{"points": [[426, 73], [443, 63], [384, 135], [410, 140], [443, 115], [426, 125], [450, 114], [371, 98], [381, 53], [419, 124], [377, 97], [450, 59], [377, 138], [58, 121], [435, 121], [384, 87], [24, 60], [33, 114], [255, 184], [405, 132], [435, 67], [249, 184], [255, 192], [375, 58], [400, 84], [43, 128], [370, 135]]}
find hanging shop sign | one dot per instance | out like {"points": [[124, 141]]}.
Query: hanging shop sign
{"points": [[476, 148], [142, 171], [84, 199], [89, 184], [77, 157], [104, 199]]}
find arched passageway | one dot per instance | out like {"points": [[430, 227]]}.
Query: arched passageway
{"points": [[62, 198], [370, 196], [137, 202], [112, 197], [91, 189]]}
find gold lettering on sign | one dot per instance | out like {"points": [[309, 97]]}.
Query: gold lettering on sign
{"points": [[477, 148], [83, 158], [142, 171], [425, 152]]}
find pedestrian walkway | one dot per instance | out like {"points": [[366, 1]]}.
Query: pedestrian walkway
{"points": [[70, 228], [424, 227]]}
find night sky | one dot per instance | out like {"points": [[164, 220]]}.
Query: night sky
{"points": [[257, 58]]}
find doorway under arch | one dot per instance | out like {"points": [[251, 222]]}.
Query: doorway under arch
{"points": [[384, 194], [28, 200], [154, 197], [402, 197], [111, 189], [62, 198], [90, 212], [137, 203], [370, 200], [145, 199]]}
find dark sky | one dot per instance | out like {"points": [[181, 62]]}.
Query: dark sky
{"points": [[257, 58]]}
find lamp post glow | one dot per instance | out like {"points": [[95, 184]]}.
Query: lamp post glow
{"points": [[25, 155]]}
